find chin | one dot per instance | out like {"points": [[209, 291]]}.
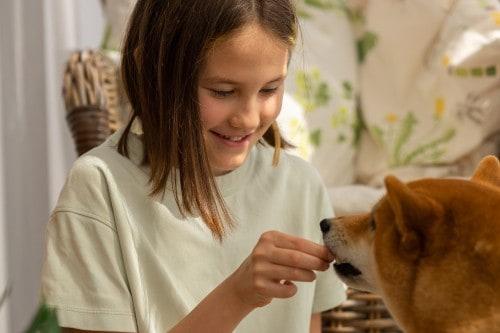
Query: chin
{"points": [[228, 166]]}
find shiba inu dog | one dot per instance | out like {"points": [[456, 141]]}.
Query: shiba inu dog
{"points": [[431, 249]]}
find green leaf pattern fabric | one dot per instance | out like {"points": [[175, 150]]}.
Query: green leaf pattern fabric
{"points": [[425, 73], [322, 82], [428, 87]]}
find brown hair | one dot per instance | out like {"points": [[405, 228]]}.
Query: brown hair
{"points": [[162, 57]]}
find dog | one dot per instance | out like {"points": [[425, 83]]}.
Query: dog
{"points": [[431, 249]]}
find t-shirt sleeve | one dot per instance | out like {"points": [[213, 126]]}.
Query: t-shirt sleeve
{"points": [[83, 275], [329, 290]]}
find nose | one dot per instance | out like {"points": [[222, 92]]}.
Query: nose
{"points": [[325, 226], [247, 115]]}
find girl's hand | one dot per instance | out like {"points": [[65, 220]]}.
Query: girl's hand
{"points": [[276, 260]]}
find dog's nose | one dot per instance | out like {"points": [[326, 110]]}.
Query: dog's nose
{"points": [[324, 225]]}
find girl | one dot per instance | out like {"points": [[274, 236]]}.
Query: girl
{"points": [[188, 220]]}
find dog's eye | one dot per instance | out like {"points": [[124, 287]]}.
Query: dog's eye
{"points": [[373, 226]]}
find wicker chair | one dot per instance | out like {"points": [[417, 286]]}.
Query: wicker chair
{"points": [[95, 108], [360, 313]]}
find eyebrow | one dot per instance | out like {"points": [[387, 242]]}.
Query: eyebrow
{"points": [[224, 80]]}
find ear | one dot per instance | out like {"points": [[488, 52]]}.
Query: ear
{"points": [[413, 213], [488, 171]]}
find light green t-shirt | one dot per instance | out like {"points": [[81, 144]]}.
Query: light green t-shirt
{"points": [[120, 260]]}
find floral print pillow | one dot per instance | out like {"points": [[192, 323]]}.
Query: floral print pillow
{"points": [[321, 84], [429, 86]]}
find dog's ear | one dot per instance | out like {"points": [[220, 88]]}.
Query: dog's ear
{"points": [[488, 171], [413, 213]]}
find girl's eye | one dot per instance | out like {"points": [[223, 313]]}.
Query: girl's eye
{"points": [[268, 91], [221, 93]]}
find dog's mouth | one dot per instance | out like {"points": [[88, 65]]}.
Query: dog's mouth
{"points": [[346, 269]]}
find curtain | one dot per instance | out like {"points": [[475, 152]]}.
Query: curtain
{"points": [[36, 149]]}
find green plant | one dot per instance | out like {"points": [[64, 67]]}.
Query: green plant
{"points": [[45, 321]]}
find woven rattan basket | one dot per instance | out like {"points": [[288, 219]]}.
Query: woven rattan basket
{"points": [[360, 313], [91, 96]]}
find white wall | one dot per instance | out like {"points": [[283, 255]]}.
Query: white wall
{"points": [[69, 25], [24, 152], [36, 150], [4, 285]]}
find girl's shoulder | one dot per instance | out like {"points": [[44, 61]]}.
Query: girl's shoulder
{"points": [[105, 158], [96, 175], [291, 167]]}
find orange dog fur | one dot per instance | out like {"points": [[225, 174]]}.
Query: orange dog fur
{"points": [[430, 249]]}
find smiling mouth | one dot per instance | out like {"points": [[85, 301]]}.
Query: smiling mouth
{"points": [[231, 138], [346, 269]]}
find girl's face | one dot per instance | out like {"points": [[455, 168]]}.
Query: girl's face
{"points": [[240, 93]]}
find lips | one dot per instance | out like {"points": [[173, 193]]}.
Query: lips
{"points": [[346, 269], [235, 138]]}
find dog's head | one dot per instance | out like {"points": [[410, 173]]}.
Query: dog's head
{"points": [[431, 241]]}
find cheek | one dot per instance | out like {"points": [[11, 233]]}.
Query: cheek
{"points": [[212, 111], [271, 108]]}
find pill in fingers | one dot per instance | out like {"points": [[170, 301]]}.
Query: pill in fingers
{"points": [[324, 266]]}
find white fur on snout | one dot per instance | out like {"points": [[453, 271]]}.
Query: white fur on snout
{"points": [[357, 253]]}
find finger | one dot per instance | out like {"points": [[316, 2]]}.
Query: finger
{"points": [[297, 259], [275, 289], [285, 241], [278, 272]]}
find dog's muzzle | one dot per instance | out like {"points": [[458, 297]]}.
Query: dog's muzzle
{"points": [[325, 226], [343, 269]]}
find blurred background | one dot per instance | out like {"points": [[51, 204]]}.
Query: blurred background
{"points": [[36, 149]]}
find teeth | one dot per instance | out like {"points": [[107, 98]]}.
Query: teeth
{"points": [[233, 138]]}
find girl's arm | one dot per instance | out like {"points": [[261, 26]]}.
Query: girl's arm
{"points": [[266, 273], [221, 311], [315, 323], [276, 260]]}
